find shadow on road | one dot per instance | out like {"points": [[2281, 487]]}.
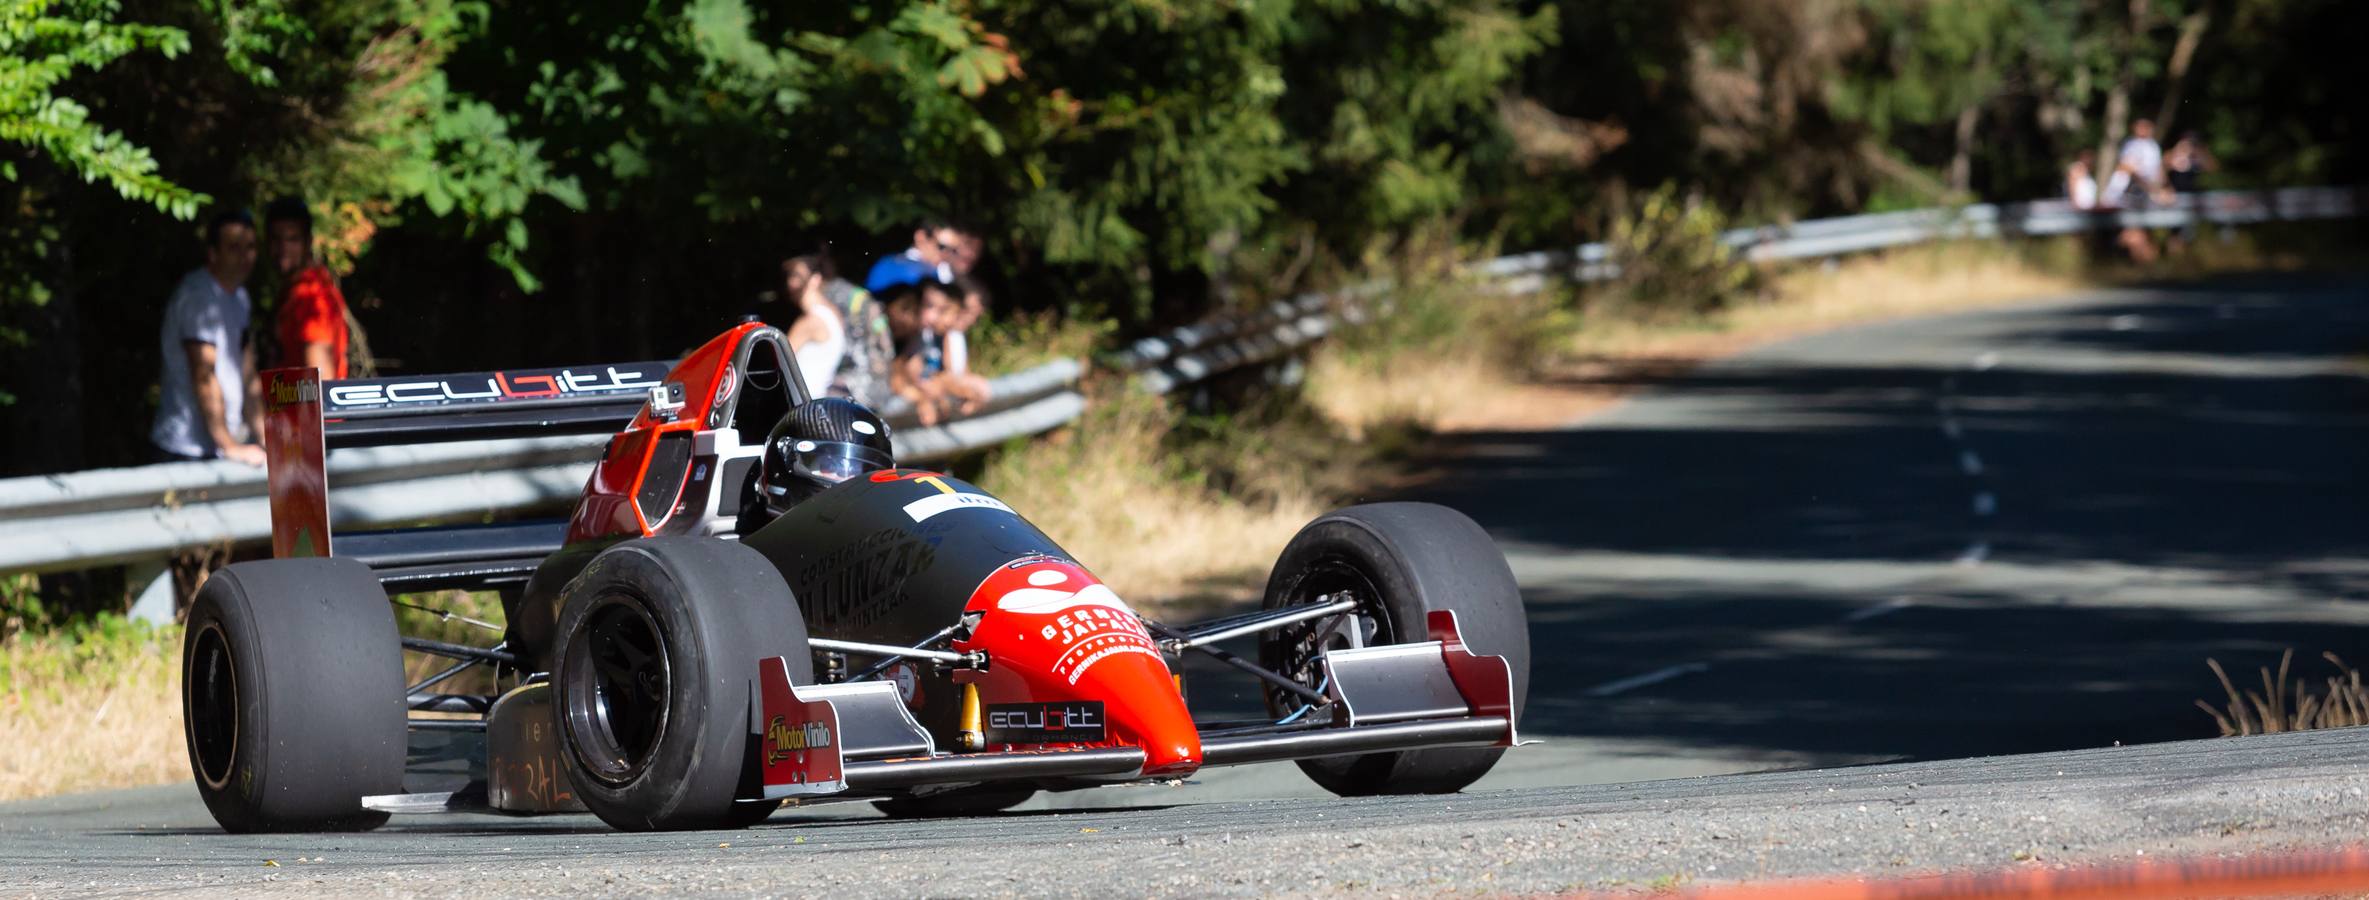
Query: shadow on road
{"points": [[2171, 474]]}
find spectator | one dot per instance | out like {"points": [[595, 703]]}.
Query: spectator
{"points": [[2081, 181], [921, 314], [208, 397], [312, 315], [965, 255], [934, 244], [2183, 170], [2142, 157], [970, 389], [819, 338], [2185, 164], [871, 347]]}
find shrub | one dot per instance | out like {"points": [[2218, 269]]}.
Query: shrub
{"points": [[1670, 261]]}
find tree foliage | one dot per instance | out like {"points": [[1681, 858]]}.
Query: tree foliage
{"points": [[45, 42], [563, 181]]}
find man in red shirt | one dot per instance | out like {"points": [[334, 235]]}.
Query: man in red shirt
{"points": [[311, 325]]}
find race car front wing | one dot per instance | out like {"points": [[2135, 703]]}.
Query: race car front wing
{"points": [[858, 739]]}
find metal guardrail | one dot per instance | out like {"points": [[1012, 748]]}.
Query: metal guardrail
{"points": [[141, 514]]}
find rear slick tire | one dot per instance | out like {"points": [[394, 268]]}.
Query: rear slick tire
{"points": [[1400, 561], [656, 663], [292, 696]]}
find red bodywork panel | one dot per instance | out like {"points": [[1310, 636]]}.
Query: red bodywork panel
{"points": [[799, 737], [1059, 640], [607, 511], [298, 470]]}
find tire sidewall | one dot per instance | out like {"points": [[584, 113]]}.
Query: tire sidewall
{"points": [[310, 641], [1418, 558], [233, 803], [704, 755]]}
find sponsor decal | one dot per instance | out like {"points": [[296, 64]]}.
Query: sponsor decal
{"points": [[799, 742], [1081, 616], [284, 393], [1076, 660], [783, 740], [1068, 722], [907, 678], [858, 583], [921, 510], [539, 383]]}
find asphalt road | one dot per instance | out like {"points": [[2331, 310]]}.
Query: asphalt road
{"points": [[1999, 533]]}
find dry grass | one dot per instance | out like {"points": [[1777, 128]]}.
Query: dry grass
{"points": [[2282, 705], [91, 708], [1867, 288], [1151, 525], [1925, 280]]}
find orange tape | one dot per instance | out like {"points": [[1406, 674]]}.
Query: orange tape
{"points": [[2344, 871]]}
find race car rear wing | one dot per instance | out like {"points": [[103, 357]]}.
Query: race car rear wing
{"points": [[365, 412], [305, 417]]}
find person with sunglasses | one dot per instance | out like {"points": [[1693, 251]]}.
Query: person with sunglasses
{"points": [[936, 246]]}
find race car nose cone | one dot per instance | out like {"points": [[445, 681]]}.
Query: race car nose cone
{"points": [[1064, 636], [1145, 710]]}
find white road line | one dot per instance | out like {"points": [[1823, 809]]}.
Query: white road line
{"points": [[1885, 608], [1985, 503], [1984, 362], [1969, 462], [2124, 323], [1949, 428], [1975, 553], [1656, 676]]}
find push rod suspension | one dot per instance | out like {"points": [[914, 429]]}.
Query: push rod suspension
{"points": [[885, 662], [1263, 673], [459, 651], [1280, 618], [440, 677], [838, 646]]}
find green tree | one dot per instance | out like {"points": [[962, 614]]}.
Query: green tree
{"points": [[45, 42]]}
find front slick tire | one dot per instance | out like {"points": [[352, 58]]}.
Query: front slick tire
{"points": [[659, 640], [292, 696], [1399, 561]]}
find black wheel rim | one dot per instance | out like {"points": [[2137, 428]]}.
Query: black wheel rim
{"points": [[210, 695], [619, 683], [1327, 580]]}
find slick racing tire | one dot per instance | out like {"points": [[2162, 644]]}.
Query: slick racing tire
{"points": [[1399, 561], [659, 640], [292, 696]]}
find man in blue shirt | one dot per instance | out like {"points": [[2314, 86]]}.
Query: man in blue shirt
{"points": [[935, 244]]}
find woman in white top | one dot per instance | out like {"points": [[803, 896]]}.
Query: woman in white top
{"points": [[819, 338], [2081, 180]]}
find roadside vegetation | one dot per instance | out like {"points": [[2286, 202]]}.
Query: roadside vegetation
{"points": [[90, 704], [1183, 507], [2296, 704]]}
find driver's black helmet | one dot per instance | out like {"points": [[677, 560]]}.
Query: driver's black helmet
{"points": [[821, 443]]}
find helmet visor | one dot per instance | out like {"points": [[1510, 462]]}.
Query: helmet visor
{"points": [[832, 462]]}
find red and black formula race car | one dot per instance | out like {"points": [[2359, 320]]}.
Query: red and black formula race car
{"points": [[899, 636]]}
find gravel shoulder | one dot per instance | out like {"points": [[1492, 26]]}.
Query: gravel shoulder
{"points": [[2224, 796]]}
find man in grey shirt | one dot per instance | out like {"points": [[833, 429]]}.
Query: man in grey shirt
{"points": [[205, 408]]}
